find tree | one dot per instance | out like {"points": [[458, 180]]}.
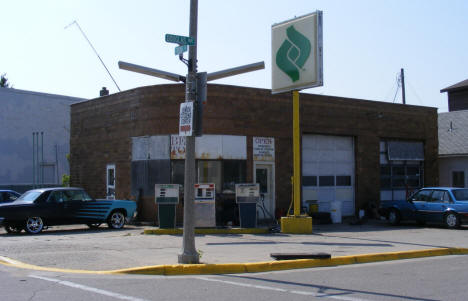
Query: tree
{"points": [[4, 81]]}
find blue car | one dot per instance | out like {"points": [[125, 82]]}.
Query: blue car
{"points": [[37, 209], [443, 205], [8, 196]]}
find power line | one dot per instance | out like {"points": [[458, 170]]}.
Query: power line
{"points": [[97, 54], [398, 80]]}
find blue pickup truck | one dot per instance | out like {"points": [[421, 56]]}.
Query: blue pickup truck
{"points": [[37, 209]]}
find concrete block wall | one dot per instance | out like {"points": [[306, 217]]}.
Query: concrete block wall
{"points": [[101, 131]]}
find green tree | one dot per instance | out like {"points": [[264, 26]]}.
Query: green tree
{"points": [[4, 81]]}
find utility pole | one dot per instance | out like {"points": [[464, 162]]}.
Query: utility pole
{"points": [[402, 78], [195, 91], [189, 253]]}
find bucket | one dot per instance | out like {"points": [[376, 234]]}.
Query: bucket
{"points": [[335, 212], [313, 206]]}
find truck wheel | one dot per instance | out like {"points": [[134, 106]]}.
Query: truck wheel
{"points": [[34, 225], [116, 220], [394, 217]]}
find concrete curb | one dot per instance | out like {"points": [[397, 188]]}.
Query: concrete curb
{"points": [[179, 231], [256, 267]]}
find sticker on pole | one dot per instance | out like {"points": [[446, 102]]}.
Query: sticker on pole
{"points": [[186, 119]]}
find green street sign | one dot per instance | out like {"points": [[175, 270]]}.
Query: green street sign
{"points": [[181, 40], [180, 49]]}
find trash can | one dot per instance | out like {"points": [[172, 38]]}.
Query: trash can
{"points": [[167, 216], [335, 211], [248, 215]]}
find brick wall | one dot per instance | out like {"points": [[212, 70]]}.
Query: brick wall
{"points": [[101, 131]]}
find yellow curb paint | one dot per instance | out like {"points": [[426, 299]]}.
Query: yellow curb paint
{"points": [[236, 268], [178, 231]]}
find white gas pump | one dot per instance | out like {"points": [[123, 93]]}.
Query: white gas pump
{"points": [[205, 209]]}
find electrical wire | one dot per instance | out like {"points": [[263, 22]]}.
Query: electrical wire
{"points": [[398, 80], [415, 93], [97, 54]]}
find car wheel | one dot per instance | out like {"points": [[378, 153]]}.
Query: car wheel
{"points": [[13, 229], [394, 217], [451, 220], [116, 220], [34, 225], [93, 226]]}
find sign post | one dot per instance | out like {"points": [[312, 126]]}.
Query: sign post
{"points": [[195, 91], [297, 64]]}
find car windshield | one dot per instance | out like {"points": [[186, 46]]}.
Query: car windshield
{"points": [[30, 196], [460, 194]]}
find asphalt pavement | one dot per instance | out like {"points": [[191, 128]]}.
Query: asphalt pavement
{"points": [[79, 248]]}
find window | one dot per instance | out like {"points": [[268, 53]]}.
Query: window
{"points": [[55, 197], [343, 180], [461, 194], [262, 179], [309, 181], [177, 172], [209, 172], [401, 165], [423, 196], [224, 174], [440, 196], [326, 181], [458, 179], [234, 172]]}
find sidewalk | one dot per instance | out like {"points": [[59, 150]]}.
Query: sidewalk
{"points": [[75, 247]]}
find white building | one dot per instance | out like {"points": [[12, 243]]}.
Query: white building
{"points": [[453, 148], [34, 138]]}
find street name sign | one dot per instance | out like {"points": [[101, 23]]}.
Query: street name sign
{"points": [[297, 53], [180, 49], [181, 40]]}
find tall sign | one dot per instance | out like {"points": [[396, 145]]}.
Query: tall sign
{"points": [[297, 53]]}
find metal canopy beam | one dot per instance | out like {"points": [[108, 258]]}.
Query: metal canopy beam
{"points": [[235, 71], [152, 72]]}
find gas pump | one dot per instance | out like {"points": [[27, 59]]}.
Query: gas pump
{"points": [[205, 210], [167, 198], [247, 197]]}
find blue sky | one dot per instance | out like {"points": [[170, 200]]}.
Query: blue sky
{"points": [[365, 44]]}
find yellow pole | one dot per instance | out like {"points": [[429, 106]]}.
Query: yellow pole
{"points": [[296, 155]]}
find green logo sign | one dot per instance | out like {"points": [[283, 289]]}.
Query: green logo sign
{"points": [[293, 53]]}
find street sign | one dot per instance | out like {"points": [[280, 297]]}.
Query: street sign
{"points": [[180, 49], [297, 58], [181, 40]]}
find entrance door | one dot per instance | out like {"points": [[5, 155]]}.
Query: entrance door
{"points": [[265, 176], [110, 181]]}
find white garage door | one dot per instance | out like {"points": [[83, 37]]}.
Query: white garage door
{"points": [[328, 171]]}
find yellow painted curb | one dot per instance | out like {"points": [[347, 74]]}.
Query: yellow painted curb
{"points": [[255, 267], [179, 231]]}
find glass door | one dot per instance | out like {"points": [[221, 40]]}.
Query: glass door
{"points": [[264, 175], [110, 182]]}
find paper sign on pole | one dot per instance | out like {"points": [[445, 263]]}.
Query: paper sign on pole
{"points": [[186, 119]]}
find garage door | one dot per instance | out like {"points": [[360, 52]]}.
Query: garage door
{"points": [[328, 171]]}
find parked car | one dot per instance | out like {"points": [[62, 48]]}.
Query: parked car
{"points": [[445, 205], [37, 209], [8, 196]]}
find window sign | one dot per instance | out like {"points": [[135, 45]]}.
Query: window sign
{"points": [[263, 149], [177, 147]]}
